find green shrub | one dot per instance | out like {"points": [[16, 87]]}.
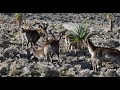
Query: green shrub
{"points": [[78, 36], [19, 18]]}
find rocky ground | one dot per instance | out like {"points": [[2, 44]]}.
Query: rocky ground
{"points": [[16, 62]]}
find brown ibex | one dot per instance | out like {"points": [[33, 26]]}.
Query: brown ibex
{"points": [[102, 54], [50, 48]]}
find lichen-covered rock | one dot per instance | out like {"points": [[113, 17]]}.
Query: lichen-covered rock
{"points": [[110, 73], [10, 52], [85, 73]]}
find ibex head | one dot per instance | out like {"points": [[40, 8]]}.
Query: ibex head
{"points": [[42, 25]]}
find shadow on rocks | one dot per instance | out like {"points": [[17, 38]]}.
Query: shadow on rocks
{"points": [[84, 64]]}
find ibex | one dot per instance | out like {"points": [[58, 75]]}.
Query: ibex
{"points": [[70, 45], [68, 42], [102, 54], [67, 37], [50, 48], [32, 36]]}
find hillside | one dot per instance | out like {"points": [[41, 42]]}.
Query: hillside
{"points": [[17, 62]]}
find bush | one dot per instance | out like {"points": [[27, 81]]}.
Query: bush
{"points": [[78, 36], [19, 18]]}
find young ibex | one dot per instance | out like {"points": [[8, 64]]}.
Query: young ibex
{"points": [[50, 48], [69, 45], [41, 52], [67, 42], [102, 54], [67, 38], [32, 36]]}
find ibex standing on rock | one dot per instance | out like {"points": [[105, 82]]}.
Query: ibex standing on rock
{"points": [[101, 54]]}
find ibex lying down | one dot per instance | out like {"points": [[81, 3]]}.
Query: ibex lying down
{"points": [[32, 36], [101, 54]]}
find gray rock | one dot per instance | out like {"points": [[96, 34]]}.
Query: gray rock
{"points": [[52, 73], [113, 44], [26, 70], [25, 54], [70, 26], [118, 71], [10, 52], [4, 71], [110, 73], [70, 72], [85, 73]]}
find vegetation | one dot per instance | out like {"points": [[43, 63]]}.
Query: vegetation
{"points": [[19, 18], [78, 36]]}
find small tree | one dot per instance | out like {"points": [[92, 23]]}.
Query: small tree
{"points": [[19, 18], [110, 17]]}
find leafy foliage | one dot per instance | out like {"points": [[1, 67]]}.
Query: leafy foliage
{"points": [[19, 18], [78, 36], [18, 15]]}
